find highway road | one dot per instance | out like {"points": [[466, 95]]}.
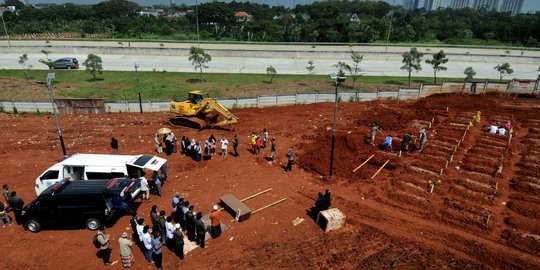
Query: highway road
{"points": [[256, 58]]}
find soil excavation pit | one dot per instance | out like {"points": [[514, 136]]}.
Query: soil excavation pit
{"points": [[399, 223]]}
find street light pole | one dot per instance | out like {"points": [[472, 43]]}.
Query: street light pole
{"points": [[339, 80], [5, 28], [197, 18], [138, 86], [50, 78], [390, 26]]}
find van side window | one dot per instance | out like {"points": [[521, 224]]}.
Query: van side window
{"points": [[50, 175], [99, 175]]}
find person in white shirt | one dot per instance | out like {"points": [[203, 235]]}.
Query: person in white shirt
{"points": [[145, 189], [169, 230], [224, 144], [147, 243], [502, 131], [493, 129], [140, 227]]}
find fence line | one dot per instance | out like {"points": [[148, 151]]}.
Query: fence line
{"points": [[404, 93]]}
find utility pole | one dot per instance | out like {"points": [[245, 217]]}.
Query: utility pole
{"points": [[50, 79], [5, 28], [138, 86], [197, 18], [390, 26], [339, 80]]}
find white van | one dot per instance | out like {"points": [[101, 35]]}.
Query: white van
{"points": [[97, 166]]}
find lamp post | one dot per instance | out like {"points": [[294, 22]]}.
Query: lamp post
{"points": [[50, 79], [390, 26], [197, 19], [5, 28], [138, 87], [338, 80]]}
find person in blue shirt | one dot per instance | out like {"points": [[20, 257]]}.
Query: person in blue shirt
{"points": [[387, 143]]}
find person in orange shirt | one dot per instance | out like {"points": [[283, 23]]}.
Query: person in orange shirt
{"points": [[215, 229]]}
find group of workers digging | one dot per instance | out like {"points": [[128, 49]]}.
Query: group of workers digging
{"points": [[405, 142], [497, 128]]}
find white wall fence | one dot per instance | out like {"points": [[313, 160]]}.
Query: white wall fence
{"points": [[404, 93]]}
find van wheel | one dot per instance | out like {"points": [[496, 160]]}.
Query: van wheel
{"points": [[33, 226], [93, 224]]}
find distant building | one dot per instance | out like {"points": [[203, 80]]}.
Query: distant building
{"points": [[459, 4], [511, 6], [410, 4], [430, 5], [486, 4], [242, 16]]}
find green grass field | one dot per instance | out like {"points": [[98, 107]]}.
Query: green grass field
{"points": [[158, 85]]}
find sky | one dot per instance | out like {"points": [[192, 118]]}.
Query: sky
{"points": [[528, 5]]}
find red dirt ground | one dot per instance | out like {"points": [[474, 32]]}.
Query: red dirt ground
{"points": [[472, 220]]}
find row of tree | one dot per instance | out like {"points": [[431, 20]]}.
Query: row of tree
{"points": [[321, 21], [200, 59]]}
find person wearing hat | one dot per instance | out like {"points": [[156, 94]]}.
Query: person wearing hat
{"points": [[215, 229], [105, 250], [178, 241], [126, 251]]}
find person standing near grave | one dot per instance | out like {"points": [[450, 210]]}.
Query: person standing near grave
{"points": [[224, 145], [169, 230], [207, 151], [6, 192], [178, 241], [159, 146], [16, 205], [126, 250], [258, 144], [105, 250], [235, 145], [374, 129], [290, 159], [147, 243], [190, 223], [215, 229], [114, 146], [212, 141], [253, 143], [423, 139], [265, 138], [156, 250], [273, 150], [200, 230], [406, 142]]}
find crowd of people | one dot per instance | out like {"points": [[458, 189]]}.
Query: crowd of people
{"points": [[161, 230], [203, 150]]}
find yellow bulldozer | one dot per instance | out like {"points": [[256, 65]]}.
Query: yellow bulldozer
{"points": [[198, 112]]}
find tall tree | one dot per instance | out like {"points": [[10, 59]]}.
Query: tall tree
{"points": [[48, 62], [469, 73], [503, 70], [272, 72], [436, 62], [411, 61], [355, 69], [199, 59], [94, 65]]}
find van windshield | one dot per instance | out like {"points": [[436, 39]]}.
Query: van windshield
{"points": [[50, 175]]}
